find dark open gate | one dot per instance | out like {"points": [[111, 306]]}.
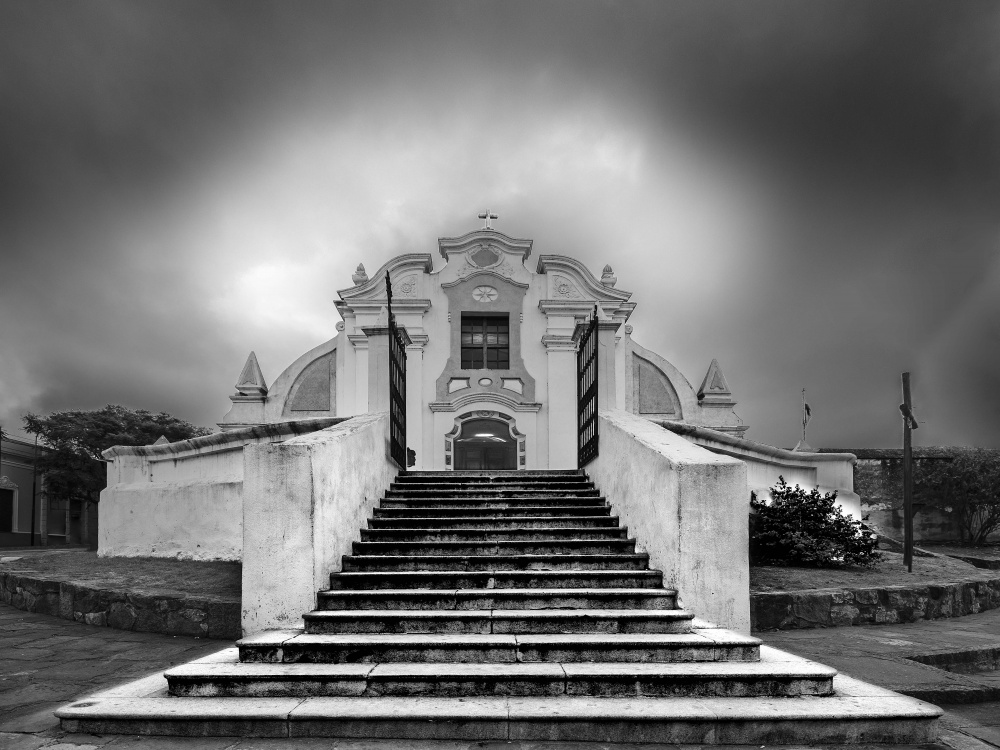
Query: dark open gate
{"points": [[586, 391], [397, 386]]}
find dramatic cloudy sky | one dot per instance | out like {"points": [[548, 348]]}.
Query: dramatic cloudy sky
{"points": [[807, 191]]}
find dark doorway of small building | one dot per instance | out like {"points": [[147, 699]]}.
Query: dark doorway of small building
{"points": [[485, 444]]}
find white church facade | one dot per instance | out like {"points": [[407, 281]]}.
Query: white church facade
{"points": [[491, 369]]}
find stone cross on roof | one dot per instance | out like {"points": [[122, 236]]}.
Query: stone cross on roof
{"points": [[486, 216]]}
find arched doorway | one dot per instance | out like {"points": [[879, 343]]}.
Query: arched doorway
{"points": [[485, 444]]}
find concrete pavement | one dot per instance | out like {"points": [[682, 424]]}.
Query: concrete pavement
{"points": [[46, 662]]}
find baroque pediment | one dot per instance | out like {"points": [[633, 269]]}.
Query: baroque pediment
{"points": [[484, 252]]}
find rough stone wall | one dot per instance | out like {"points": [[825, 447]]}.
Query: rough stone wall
{"points": [[828, 608], [202, 617]]}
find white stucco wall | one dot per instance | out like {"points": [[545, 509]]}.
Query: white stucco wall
{"points": [[304, 501], [185, 499], [765, 464], [688, 509]]}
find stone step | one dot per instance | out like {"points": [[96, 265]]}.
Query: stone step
{"points": [[294, 647], [802, 722], [490, 579], [487, 492], [363, 563], [235, 679], [553, 486], [547, 533], [469, 511], [498, 502], [494, 475], [494, 522], [499, 622], [565, 546], [497, 599]]}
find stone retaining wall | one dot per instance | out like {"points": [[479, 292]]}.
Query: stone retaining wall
{"points": [[152, 613], [828, 608]]}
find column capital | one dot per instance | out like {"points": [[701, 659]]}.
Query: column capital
{"points": [[556, 342]]}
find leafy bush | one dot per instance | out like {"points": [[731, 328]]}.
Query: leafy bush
{"points": [[807, 529]]}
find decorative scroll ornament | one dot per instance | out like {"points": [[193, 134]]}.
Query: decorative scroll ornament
{"points": [[406, 287], [563, 287], [484, 294], [484, 256]]}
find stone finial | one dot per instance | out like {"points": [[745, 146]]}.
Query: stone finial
{"points": [[714, 388], [161, 440], [608, 278], [382, 321], [251, 382], [360, 275]]}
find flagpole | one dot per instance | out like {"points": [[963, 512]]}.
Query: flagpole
{"points": [[804, 420]]}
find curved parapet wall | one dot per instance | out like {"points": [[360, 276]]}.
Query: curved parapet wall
{"points": [[765, 463], [687, 507], [185, 499]]}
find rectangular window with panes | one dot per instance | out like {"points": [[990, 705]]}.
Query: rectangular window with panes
{"points": [[485, 342]]}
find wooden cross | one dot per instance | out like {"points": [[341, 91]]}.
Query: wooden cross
{"points": [[486, 217]]}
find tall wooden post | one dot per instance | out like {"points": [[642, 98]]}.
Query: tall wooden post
{"points": [[909, 424], [34, 489]]}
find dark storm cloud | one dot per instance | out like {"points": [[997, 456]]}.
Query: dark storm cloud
{"points": [[807, 191]]}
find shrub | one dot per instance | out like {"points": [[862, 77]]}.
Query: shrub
{"points": [[807, 529]]}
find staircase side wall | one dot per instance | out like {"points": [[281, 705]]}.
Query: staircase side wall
{"points": [[185, 499], [303, 503], [688, 509]]}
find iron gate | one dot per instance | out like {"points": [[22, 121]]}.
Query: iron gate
{"points": [[397, 386], [586, 391]]}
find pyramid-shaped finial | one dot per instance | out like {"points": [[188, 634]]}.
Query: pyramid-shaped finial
{"points": [[251, 382], [161, 440], [608, 278], [714, 388]]}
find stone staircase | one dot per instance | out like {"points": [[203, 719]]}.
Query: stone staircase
{"points": [[507, 605]]}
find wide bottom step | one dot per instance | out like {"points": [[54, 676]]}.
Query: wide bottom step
{"points": [[857, 713], [768, 678]]}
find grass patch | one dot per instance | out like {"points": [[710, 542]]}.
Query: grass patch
{"points": [[890, 571], [147, 575]]}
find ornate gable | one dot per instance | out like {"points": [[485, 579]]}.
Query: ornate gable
{"points": [[484, 252]]}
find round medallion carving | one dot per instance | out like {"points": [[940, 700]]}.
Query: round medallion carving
{"points": [[485, 382], [485, 294]]}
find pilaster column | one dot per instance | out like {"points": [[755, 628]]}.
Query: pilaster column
{"points": [[415, 399], [562, 407], [607, 390], [360, 344], [378, 364]]}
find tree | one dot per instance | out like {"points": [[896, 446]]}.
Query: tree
{"points": [[967, 487], [73, 466]]}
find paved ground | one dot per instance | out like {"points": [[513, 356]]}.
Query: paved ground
{"points": [[878, 654], [46, 662]]}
